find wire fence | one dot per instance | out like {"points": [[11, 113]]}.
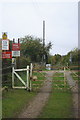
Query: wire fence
{"points": [[6, 75]]}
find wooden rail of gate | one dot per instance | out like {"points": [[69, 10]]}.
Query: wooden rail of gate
{"points": [[27, 84], [62, 79]]}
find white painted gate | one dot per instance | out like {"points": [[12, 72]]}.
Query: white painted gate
{"points": [[27, 84]]}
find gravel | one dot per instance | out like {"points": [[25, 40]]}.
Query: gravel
{"points": [[74, 88], [34, 108]]}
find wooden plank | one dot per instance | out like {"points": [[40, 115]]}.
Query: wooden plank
{"points": [[57, 76], [75, 74], [36, 84], [38, 80], [20, 78], [20, 69], [59, 85], [19, 87]]}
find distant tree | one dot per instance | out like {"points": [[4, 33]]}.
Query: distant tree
{"points": [[72, 58], [32, 48]]}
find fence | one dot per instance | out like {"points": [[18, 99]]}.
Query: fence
{"points": [[27, 84], [30, 83], [6, 76]]}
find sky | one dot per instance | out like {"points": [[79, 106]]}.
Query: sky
{"points": [[25, 17]]}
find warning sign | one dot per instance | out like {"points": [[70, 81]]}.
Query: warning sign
{"points": [[16, 47], [4, 35], [7, 55], [15, 53], [5, 44]]}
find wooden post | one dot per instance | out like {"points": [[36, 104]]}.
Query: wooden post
{"points": [[64, 78], [31, 67], [27, 78], [12, 76]]}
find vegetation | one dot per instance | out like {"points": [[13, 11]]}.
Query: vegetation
{"points": [[14, 100], [71, 59], [36, 84], [33, 50], [60, 103], [40, 80]]}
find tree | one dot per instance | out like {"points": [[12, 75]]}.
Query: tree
{"points": [[32, 48]]}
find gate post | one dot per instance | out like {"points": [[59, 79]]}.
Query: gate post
{"points": [[27, 86], [12, 76], [64, 77], [31, 67]]}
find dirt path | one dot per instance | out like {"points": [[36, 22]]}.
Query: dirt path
{"points": [[35, 106], [74, 90]]}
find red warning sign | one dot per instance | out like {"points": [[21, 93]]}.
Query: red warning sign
{"points": [[7, 55], [16, 47]]}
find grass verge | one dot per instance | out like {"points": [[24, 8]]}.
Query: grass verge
{"points": [[14, 100]]}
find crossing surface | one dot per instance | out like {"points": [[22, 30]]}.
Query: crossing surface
{"points": [[35, 106]]}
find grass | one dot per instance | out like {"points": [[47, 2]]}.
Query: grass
{"points": [[0, 108], [58, 79], [75, 77], [17, 81], [41, 77], [59, 104], [14, 100]]}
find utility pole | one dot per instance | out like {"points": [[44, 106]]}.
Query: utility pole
{"points": [[43, 41], [43, 33]]}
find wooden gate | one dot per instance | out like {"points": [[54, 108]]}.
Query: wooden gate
{"points": [[27, 84]]}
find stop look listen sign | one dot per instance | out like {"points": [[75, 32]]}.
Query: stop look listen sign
{"points": [[5, 44]]}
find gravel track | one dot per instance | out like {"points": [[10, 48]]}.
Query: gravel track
{"points": [[74, 88], [34, 108]]}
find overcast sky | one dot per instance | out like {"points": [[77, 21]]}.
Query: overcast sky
{"points": [[25, 17]]}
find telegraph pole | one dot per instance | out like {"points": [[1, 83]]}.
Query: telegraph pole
{"points": [[43, 34], [43, 41]]}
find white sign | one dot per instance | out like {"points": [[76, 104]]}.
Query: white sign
{"points": [[15, 53], [5, 44], [48, 66], [14, 61]]}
